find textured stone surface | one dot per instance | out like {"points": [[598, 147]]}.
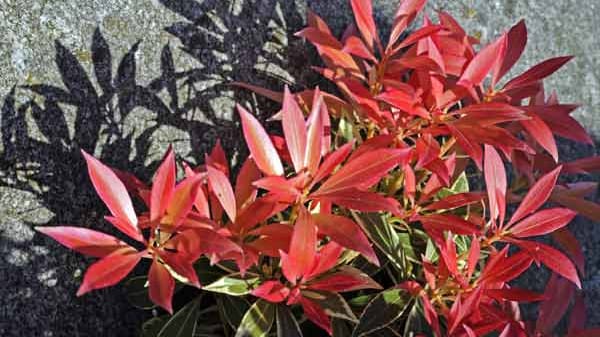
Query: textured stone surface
{"points": [[98, 90]]}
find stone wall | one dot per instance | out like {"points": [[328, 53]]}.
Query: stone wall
{"points": [[124, 78]]}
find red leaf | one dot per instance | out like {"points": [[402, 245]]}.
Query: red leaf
{"points": [[83, 240], [495, 180], [483, 63], [347, 279], [181, 266], [182, 201], [503, 269], [354, 45], [110, 269], [490, 113], [449, 222], [543, 222], [192, 243], [111, 190], [315, 138], [569, 243], [474, 254], [538, 72], [360, 200], [294, 129], [302, 247], [125, 228], [537, 195], [419, 34], [222, 189], [516, 41], [514, 294], [272, 291], [455, 201], [325, 260], [316, 314], [542, 134], [244, 190], [346, 233], [551, 258], [272, 238], [584, 165], [260, 145], [163, 185], [363, 15], [218, 158], [558, 296], [161, 286], [330, 162], [366, 170]]}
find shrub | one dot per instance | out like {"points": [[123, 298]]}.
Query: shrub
{"points": [[358, 219]]}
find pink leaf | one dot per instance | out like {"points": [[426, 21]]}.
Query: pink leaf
{"points": [[83, 240], [260, 145], [161, 286], [110, 269], [111, 190]]}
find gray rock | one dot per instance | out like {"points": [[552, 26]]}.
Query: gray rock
{"points": [[97, 89]]}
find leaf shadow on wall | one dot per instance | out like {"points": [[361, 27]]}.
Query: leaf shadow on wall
{"points": [[110, 113]]}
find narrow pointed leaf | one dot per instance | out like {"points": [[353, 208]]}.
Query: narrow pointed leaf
{"points": [[543, 222], [109, 270], [162, 286], [495, 180], [221, 187], [163, 186], [537, 195], [83, 240], [538, 72], [363, 15], [383, 310], [111, 190], [287, 326], [257, 321], [262, 149], [346, 233], [294, 129]]}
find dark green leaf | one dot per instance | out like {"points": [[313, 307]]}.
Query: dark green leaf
{"points": [[383, 235], [341, 327], [152, 327], [232, 286], [207, 273], [333, 304], [184, 323], [137, 292], [257, 321], [287, 326], [383, 310], [232, 309]]}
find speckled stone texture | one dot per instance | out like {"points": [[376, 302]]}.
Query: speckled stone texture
{"points": [[124, 78]]}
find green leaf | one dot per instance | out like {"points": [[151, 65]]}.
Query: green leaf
{"points": [[232, 309], [333, 304], [383, 235], [345, 129], [137, 292], [384, 309], [341, 327], [184, 323], [460, 185], [287, 326], [232, 286], [152, 327], [257, 321], [207, 273]]}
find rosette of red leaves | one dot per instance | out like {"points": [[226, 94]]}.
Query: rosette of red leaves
{"points": [[359, 212]]}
